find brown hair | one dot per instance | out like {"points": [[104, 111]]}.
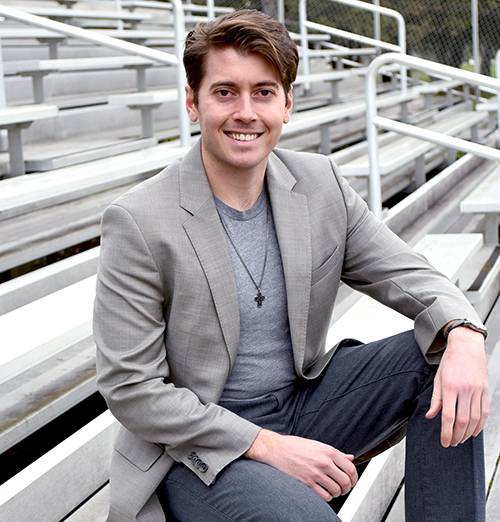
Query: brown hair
{"points": [[247, 31]]}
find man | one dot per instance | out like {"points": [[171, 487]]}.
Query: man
{"points": [[216, 285]]}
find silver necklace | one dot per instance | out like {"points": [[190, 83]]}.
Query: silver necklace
{"points": [[259, 298]]}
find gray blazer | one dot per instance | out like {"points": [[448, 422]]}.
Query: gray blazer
{"points": [[166, 320]]}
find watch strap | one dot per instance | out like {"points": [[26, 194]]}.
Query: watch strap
{"points": [[468, 324]]}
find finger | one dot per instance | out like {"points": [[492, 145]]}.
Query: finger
{"points": [[485, 411], [331, 489], [346, 471], [325, 486], [323, 493], [436, 402], [434, 407], [448, 418], [462, 419], [475, 417], [342, 481]]}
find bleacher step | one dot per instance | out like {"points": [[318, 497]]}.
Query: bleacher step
{"points": [[483, 292], [37, 234], [449, 252], [49, 489], [376, 486], [26, 193], [33, 399], [95, 509], [34, 285], [76, 158], [45, 327]]}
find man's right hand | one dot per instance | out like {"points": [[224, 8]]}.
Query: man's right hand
{"points": [[326, 470]]}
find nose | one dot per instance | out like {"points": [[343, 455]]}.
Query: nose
{"points": [[245, 110]]}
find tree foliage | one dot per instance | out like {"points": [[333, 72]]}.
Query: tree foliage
{"points": [[439, 30]]}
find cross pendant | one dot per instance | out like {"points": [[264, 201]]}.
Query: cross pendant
{"points": [[258, 299]]}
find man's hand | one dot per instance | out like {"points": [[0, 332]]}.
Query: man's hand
{"points": [[324, 469], [461, 387]]}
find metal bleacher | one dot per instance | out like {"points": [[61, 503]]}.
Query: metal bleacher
{"points": [[89, 148]]}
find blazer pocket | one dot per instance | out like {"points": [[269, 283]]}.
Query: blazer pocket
{"points": [[139, 452], [326, 267]]}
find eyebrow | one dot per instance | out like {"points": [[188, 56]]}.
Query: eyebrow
{"points": [[266, 83]]}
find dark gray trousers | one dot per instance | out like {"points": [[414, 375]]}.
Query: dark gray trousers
{"points": [[365, 400]]}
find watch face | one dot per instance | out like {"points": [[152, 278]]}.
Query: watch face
{"points": [[475, 325]]}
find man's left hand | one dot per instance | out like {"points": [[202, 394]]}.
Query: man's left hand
{"points": [[461, 387]]}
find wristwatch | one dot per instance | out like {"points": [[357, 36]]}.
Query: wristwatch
{"points": [[469, 323]]}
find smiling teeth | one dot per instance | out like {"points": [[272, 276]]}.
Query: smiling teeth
{"points": [[244, 137]]}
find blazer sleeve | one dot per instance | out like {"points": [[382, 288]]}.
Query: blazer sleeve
{"points": [[380, 264], [132, 363]]}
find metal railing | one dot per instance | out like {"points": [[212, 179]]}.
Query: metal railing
{"points": [[210, 9], [375, 42], [497, 73], [126, 47], [375, 122]]}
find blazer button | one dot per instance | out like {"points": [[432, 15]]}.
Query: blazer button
{"points": [[197, 462]]}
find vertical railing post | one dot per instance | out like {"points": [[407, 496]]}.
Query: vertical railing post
{"points": [[304, 42], [118, 7], [211, 9], [374, 184], [3, 103], [281, 11], [402, 45], [376, 25], [180, 35], [475, 35], [497, 74]]}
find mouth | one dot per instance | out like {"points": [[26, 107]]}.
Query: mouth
{"points": [[238, 136]]}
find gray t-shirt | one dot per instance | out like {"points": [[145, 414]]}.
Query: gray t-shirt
{"points": [[265, 361]]}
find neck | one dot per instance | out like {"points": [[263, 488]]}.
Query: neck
{"points": [[237, 191]]}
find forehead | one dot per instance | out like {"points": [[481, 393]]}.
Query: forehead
{"points": [[231, 66]]}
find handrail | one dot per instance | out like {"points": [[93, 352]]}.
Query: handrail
{"points": [[376, 9], [355, 37], [374, 122], [210, 8], [128, 47]]}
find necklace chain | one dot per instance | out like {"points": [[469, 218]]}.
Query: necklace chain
{"points": [[259, 298]]}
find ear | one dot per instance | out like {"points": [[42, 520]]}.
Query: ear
{"points": [[190, 105], [288, 107]]}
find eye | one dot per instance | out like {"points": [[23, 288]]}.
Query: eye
{"points": [[266, 93], [223, 93]]}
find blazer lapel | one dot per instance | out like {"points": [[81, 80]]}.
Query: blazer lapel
{"points": [[205, 233], [291, 219]]}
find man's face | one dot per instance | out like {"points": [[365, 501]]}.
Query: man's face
{"points": [[241, 109]]}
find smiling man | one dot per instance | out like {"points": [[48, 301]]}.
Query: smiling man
{"points": [[241, 106], [216, 285]]}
